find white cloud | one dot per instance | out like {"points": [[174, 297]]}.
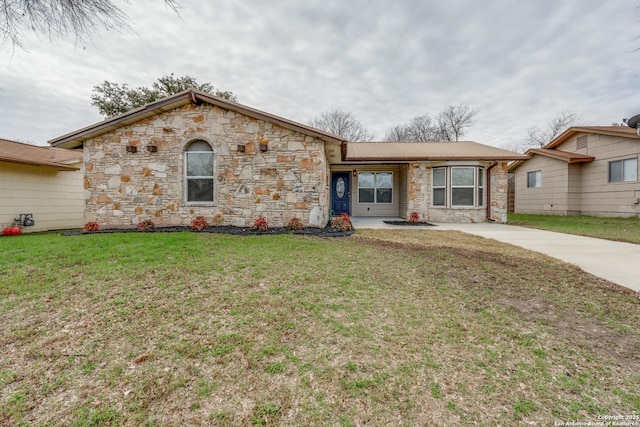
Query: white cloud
{"points": [[519, 62]]}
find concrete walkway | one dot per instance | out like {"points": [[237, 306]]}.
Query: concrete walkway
{"points": [[614, 261]]}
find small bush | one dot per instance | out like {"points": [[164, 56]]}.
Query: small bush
{"points": [[295, 224], [146, 225], [341, 223], [261, 224], [14, 230], [414, 217], [91, 226], [199, 223]]}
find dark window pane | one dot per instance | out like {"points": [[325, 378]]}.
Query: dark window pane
{"points": [[615, 171], [438, 197], [480, 196], [462, 196], [365, 195], [534, 179], [200, 190], [383, 195]]}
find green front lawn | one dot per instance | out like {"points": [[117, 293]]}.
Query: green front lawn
{"points": [[619, 229], [385, 327]]}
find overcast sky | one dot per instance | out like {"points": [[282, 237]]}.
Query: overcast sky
{"points": [[519, 62]]}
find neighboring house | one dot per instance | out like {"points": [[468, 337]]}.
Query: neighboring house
{"points": [[43, 182], [195, 154], [587, 170]]}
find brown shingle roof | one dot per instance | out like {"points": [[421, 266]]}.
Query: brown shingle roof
{"points": [[18, 152], [621, 131], [416, 151], [74, 139]]}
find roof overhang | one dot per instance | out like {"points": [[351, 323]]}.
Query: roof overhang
{"points": [[620, 131], [565, 156], [54, 165], [76, 138], [388, 152], [35, 155]]}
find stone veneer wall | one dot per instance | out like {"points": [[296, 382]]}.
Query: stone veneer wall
{"points": [[420, 197], [288, 180], [499, 192]]}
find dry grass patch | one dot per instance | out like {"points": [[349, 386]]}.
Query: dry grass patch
{"points": [[384, 328]]}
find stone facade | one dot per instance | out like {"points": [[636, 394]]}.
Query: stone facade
{"points": [[420, 191], [500, 192], [287, 180]]}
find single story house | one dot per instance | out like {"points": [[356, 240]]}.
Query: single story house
{"points": [[196, 154], [587, 170], [40, 185]]}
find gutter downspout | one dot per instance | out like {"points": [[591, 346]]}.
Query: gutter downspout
{"points": [[493, 165]]}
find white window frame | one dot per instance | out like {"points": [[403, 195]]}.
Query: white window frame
{"points": [[480, 180], [448, 187], [375, 188], [443, 188], [472, 186], [537, 179], [629, 171], [187, 177]]}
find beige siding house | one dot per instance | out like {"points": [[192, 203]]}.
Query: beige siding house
{"points": [[195, 154], [589, 170], [43, 183]]}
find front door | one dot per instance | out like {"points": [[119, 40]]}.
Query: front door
{"points": [[340, 193]]}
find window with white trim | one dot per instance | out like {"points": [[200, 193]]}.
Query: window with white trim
{"points": [[439, 186], [457, 186], [534, 179], [198, 171], [375, 187], [480, 186], [463, 186], [625, 170]]}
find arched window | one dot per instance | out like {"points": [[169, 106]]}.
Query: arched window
{"points": [[198, 171]]}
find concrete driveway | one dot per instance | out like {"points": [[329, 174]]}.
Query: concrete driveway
{"points": [[614, 261]]}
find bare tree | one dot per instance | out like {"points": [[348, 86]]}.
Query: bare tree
{"points": [[538, 137], [342, 123], [57, 18], [420, 128], [449, 125], [453, 120], [112, 99]]}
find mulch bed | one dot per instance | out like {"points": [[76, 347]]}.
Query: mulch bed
{"points": [[412, 224], [227, 229]]}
